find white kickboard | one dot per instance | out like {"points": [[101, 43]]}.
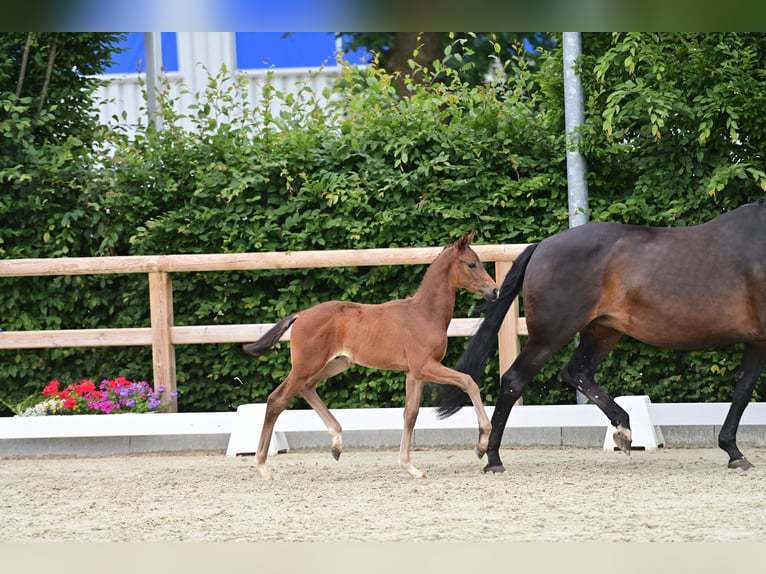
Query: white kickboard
{"points": [[246, 432]]}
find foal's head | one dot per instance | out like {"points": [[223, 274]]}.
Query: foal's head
{"points": [[469, 271]]}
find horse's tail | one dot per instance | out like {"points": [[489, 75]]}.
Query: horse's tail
{"points": [[271, 337], [449, 398]]}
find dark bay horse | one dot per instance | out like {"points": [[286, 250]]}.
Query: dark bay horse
{"points": [[680, 288], [402, 335]]}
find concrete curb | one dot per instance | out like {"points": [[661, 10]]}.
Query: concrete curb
{"points": [[583, 437]]}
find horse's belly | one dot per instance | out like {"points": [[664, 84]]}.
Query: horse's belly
{"points": [[377, 358], [687, 333]]}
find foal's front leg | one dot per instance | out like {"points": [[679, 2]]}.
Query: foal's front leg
{"points": [[413, 394], [438, 373]]}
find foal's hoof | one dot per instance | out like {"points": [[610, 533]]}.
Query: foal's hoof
{"points": [[264, 472], [336, 453], [741, 463], [496, 468], [480, 452], [412, 471]]}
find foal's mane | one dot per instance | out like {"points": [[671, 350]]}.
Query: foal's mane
{"points": [[455, 247]]}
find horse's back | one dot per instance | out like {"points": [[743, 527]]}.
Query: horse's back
{"points": [[681, 287], [729, 246]]}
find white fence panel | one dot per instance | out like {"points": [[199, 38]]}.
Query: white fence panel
{"points": [[123, 96]]}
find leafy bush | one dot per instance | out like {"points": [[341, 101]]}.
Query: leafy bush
{"points": [[367, 169]]}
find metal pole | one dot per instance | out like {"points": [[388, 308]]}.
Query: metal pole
{"points": [[153, 48], [574, 117]]}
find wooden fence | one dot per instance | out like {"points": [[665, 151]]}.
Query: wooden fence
{"points": [[163, 335]]}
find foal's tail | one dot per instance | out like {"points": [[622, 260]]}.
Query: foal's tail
{"points": [[450, 399], [271, 337]]}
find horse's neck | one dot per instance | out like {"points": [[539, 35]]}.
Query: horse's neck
{"points": [[436, 292]]}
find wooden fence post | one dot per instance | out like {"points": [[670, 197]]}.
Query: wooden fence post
{"points": [[163, 351]]}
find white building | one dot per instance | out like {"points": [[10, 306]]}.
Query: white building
{"points": [[187, 59]]}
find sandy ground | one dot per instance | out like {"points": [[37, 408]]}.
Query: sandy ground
{"points": [[547, 494]]}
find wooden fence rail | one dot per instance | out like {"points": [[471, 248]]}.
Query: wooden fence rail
{"points": [[163, 335]]}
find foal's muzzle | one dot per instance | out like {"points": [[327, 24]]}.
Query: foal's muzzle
{"points": [[491, 294]]}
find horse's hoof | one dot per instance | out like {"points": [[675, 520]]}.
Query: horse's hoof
{"points": [[496, 468], [265, 473], [412, 470], [741, 463], [479, 452], [622, 442], [336, 453]]}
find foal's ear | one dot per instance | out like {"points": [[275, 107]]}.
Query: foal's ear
{"points": [[465, 241]]}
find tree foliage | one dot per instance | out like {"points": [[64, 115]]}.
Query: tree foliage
{"points": [[48, 130], [395, 50], [673, 136]]}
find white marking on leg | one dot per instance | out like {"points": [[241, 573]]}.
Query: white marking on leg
{"points": [[410, 468], [625, 432], [264, 471]]}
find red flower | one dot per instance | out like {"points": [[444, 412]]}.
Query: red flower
{"points": [[86, 386], [64, 394], [70, 403], [51, 388]]}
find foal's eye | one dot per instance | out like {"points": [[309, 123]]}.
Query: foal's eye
{"points": [[472, 265]]}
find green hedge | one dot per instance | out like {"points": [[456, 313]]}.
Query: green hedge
{"points": [[369, 169]]}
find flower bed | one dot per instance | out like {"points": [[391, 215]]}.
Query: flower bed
{"points": [[118, 395], [76, 411], [124, 425]]}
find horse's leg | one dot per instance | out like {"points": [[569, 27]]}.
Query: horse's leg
{"points": [[277, 402], [596, 341], [753, 361], [413, 394], [310, 395], [513, 383], [438, 373], [334, 429]]}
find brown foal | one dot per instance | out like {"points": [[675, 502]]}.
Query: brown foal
{"points": [[402, 335]]}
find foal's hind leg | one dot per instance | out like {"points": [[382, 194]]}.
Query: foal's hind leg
{"points": [[275, 404], [309, 393], [753, 361], [413, 394], [595, 343]]}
